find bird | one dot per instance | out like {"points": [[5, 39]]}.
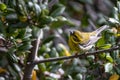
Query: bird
{"points": [[83, 41]]}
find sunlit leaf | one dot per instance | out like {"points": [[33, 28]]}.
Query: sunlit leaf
{"points": [[37, 9], [58, 11], [79, 76], [37, 32], [61, 21], [34, 75], [42, 67], [114, 21], [114, 77], [63, 50], [100, 42], [106, 46], [3, 6], [108, 67], [109, 58]]}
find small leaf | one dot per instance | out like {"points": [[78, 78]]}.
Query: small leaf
{"points": [[46, 20], [42, 67], [37, 9], [64, 51], [25, 47], [37, 32], [23, 18], [114, 77], [79, 76], [60, 21], [34, 75], [100, 42], [48, 39], [108, 67], [11, 55], [58, 11], [30, 4], [54, 53], [118, 6], [116, 13], [117, 69], [109, 58], [19, 25], [106, 46], [80, 69], [3, 6], [114, 21], [12, 17]]}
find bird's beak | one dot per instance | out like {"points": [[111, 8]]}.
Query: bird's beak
{"points": [[71, 32]]}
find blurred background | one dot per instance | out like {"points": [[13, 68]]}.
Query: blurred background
{"points": [[22, 20]]}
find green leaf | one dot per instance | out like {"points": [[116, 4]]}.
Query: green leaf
{"points": [[37, 32], [48, 39], [3, 6], [26, 46], [30, 4], [106, 46], [58, 11], [12, 71], [19, 25], [54, 53], [46, 20], [100, 42], [50, 78], [113, 21], [118, 6], [17, 68], [116, 13], [2, 28], [27, 34], [44, 12], [108, 67], [117, 69], [11, 55], [109, 58], [103, 55], [118, 60], [42, 67], [21, 33], [79, 76], [37, 9], [12, 17], [61, 21], [80, 69]]}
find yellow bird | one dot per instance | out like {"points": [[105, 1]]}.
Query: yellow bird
{"points": [[84, 41]]}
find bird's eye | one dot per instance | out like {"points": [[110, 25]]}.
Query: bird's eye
{"points": [[75, 38]]}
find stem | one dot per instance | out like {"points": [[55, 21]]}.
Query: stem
{"points": [[31, 58], [76, 56]]}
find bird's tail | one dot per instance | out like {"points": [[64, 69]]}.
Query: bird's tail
{"points": [[99, 30]]}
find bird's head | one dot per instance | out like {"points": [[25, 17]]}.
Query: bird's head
{"points": [[76, 36]]}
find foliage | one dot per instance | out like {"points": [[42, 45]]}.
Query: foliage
{"points": [[21, 21]]}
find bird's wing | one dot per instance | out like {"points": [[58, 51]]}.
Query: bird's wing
{"points": [[99, 30], [92, 40], [85, 48]]}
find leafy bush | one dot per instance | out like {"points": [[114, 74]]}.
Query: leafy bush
{"points": [[22, 22]]}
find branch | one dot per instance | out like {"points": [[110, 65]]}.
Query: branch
{"points": [[76, 56], [3, 50], [31, 58]]}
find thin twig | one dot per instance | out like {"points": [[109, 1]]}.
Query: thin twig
{"points": [[76, 56]]}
